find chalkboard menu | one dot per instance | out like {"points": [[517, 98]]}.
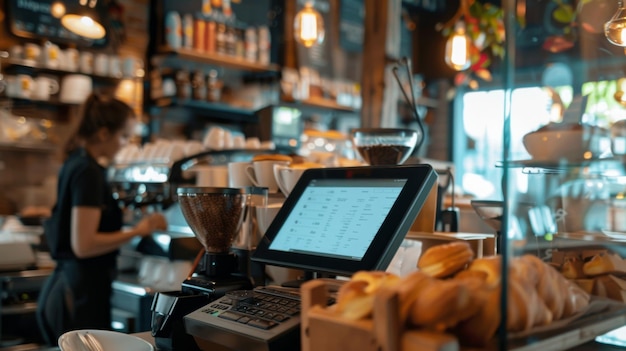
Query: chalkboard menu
{"points": [[351, 22], [33, 19]]}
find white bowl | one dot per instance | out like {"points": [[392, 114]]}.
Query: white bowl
{"points": [[578, 144], [110, 341]]}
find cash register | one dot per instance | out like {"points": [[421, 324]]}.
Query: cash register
{"points": [[336, 221]]}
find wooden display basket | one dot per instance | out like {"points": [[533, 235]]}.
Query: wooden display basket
{"points": [[321, 329]]}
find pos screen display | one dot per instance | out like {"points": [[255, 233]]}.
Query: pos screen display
{"points": [[342, 220]]}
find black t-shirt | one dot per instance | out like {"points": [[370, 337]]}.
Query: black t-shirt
{"points": [[82, 182]]}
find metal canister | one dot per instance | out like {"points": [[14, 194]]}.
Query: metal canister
{"points": [[199, 33], [210, 37]]}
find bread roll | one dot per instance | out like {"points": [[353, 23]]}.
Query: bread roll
{"points": [[491, 266], [548, 285], [442, 304], [481, 327], [355, 299], [446, 259], [585, 284], [409, 290], [576, 299], [604, 263], [572, 268], [609, 286]]}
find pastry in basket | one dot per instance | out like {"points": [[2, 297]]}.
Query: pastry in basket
{"points": [[355, 299], [445, 260], [442, 304], [489, 267], [610, 286], [573, 268], [604, 263]]}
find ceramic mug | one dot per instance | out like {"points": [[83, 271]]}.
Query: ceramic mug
{"points": [[101, 64], [32, 53], [20, 86], [287, 177], [72, 59], [50, 56], [211, 175], [75, 88], [237, 177], [86, 62], [115, 66], [261, 174], [44, 87]]}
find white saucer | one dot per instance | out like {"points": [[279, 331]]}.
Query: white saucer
{"points": [[110, 341]]}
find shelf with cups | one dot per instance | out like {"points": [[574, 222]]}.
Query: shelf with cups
{"points": [[214, 110], [27, 146], [216, 59], [25, 65]]}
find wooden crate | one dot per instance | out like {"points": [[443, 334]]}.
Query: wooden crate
{"points": [[321, 329]]}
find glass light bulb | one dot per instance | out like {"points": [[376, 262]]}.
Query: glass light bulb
{"points": [[458, 49], [309, 26], [615, 28]]}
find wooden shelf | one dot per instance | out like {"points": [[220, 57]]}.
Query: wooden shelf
{"points": [[27, 147], [220, 60], [326, 104], [217, 110]]}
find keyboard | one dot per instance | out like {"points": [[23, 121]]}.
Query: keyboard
{"points": [[264, 318]]}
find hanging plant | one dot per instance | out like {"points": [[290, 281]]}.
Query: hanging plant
{"points": [[484, 26]]}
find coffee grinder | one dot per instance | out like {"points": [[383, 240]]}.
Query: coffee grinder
{"points": [[215, 215]]}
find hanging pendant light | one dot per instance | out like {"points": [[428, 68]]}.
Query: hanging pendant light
{"points": [[615, 28], [309, 26], [458, 48], [84, 20]]}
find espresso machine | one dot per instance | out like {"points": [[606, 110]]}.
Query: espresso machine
{"points": [[222, 221]]}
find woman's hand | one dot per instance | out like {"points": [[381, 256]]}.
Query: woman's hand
{"points": [[150, 223]]}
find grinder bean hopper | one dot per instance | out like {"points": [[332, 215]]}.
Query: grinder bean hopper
{"points": [[215, 216]]}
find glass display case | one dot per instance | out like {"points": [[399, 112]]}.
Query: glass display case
{"points": [[564, 188]]}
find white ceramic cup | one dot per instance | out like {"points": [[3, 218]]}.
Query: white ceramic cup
{"points": [[44, 87], [32, 53], [75, 88], [20, 86], [72, 59], [253, 143], [211, 175], [237, 176], [101, 64], [86, 62], [50, 56], [261, 174], [287, 177], [215, 138], [115, 66]]}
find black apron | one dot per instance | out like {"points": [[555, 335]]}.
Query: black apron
{"points": [[76, 296]]}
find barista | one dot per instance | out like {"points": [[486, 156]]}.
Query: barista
{"points": [[85, 231]]}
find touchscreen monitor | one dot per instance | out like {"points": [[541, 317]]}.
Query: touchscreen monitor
{"points": [[342, 220]]}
